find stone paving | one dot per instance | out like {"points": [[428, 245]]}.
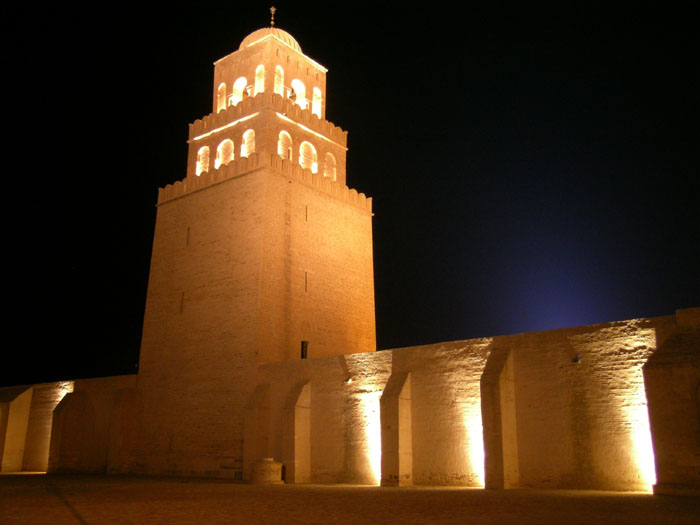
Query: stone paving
{"points": [[115, 499]]}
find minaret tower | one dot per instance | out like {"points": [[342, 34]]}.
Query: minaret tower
{"points": [[261, 254]]}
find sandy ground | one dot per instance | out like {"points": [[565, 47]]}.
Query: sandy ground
{"points": [[112, 499]]}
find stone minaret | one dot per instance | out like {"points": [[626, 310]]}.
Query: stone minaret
{"points": [[261, 253]]}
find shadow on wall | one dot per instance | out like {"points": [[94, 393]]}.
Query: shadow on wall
{"points": [[96, 432]]}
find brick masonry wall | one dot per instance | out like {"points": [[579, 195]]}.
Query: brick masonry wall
{"points": [[446, 410], [242, 272], [44, 399], [345, 441], [579, 406], [579, 411], [317, 274], [199, 343], [345, 433]]}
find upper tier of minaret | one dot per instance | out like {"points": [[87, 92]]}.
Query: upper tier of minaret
{"points": [[270, 58], [269, 99]]}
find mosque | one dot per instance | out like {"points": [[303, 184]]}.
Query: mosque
{"points": [[258, 358]]}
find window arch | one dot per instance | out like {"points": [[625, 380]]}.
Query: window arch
{"points": [[221, 97], [224, 153], [202, 160], [284, 145], [308, 159], [259, 80], [279, 80], [239, 88], [329, 166], [299, 93], [316, 102], [248, 144]]}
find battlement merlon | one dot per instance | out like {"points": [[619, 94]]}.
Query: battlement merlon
{"points": [[218, 122], [243, 166]]}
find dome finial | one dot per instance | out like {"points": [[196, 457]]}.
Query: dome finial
{"points": [[272, 18]]}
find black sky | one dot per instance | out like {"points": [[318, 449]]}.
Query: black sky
{"points": [[532, 167]]}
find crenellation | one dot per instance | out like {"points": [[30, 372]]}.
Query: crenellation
{"points": [[244, 165], [269, 101], [259, 341]]}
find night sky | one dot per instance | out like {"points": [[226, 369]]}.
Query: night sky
{"points": [[531, 167]]}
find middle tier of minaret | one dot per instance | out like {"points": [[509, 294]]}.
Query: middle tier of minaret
{"points": [[268, 124]]}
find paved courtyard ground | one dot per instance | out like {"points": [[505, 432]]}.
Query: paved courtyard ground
{"points": [[124, 500]]}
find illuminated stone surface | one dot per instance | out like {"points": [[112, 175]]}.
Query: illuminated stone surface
{"points": [[256, 255], [672, 378], [25, 424]]}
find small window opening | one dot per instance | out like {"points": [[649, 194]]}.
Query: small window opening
{"points": [[304, 349], [248, 143], [308, 159], [202, 160], [239, 91], [329, 166], [279, 80], [298, 94], [221, 97], [316, 102], [224, 153], [284, 145], [259, 80]]}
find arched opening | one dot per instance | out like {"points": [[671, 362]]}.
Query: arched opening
{"points": [[224, 153], [396, 421], [239, 91], [308, 158], [279, 80], [221, 97], [284, 145], [297, 435], [329, 166], [259, 80], [202, 160], [316, 102], [248, 144], [298, 94]]}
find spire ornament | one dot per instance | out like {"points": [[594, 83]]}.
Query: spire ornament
{"points": [[272, 18]]}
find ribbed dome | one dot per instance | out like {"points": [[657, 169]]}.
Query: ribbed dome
{"points": [[278, 33]]}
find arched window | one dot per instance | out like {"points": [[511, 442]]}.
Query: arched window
{"points": [[329, 166], [221, 97], [307, 157], [279, 80], [298, 95], [224, 153], [316, 102], [259, 80], [239, 88], [284, 145], [248, 144], [202, 160]]}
